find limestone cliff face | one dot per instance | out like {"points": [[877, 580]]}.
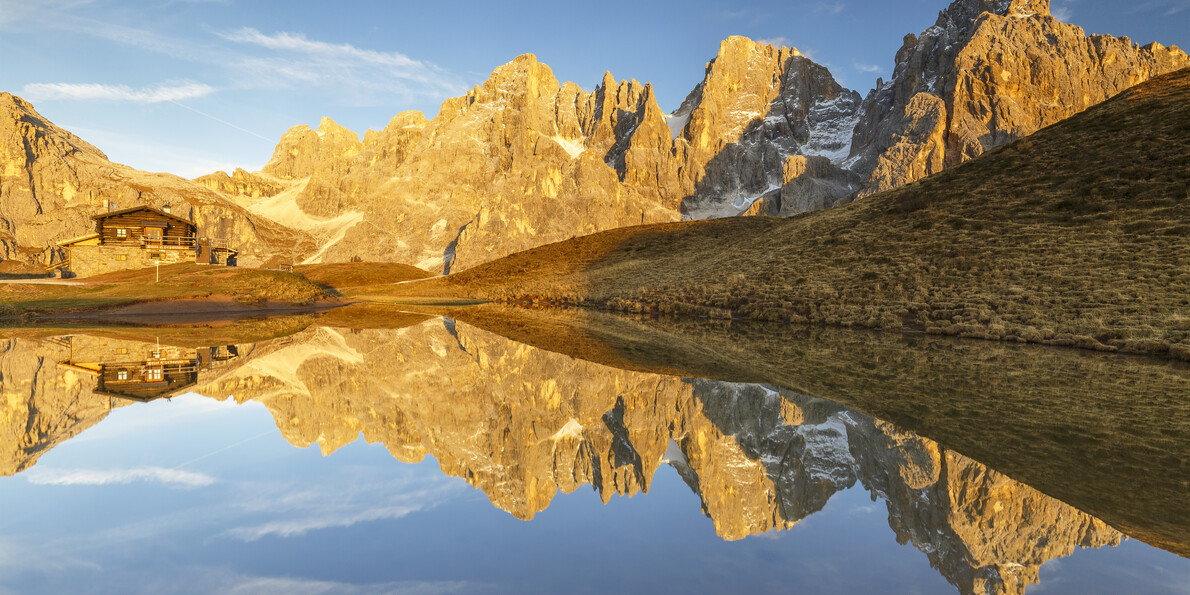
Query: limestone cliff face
{"points": [[989, 72], [522, 424], [758, 108], [987, 533], [522, 160], [52, 182], [41, 405], [517, 162]]}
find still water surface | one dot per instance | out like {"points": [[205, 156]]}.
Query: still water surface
{"points": [[438, 456]]}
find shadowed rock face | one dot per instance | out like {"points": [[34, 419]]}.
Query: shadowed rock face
{"points": [[52, 183]]}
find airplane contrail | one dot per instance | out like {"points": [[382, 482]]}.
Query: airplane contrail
{"points": [[260, 136]]}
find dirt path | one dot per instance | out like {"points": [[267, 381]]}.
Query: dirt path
{"points": [[46, 281]]}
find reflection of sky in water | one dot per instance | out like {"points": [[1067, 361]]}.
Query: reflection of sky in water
{"points": [[200, 496]]}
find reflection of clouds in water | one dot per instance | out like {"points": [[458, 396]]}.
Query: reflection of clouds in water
{"points": [[99, 477], [181, 411], [24, 558], [289, 586], [335, 504]]}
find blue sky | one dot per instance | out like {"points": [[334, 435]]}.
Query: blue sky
{"points": [[191, 86]]}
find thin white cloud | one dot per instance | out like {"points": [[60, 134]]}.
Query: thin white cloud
{"points": [[298, 512], [12, 11], [294, 59], [95, 91], [298, 527], [1167, 7], [830, 7], [867, 67], [97, 477], [775, 41]]}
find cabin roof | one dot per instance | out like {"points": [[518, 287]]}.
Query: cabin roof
{"points": [[142, 208], [89, 236]]}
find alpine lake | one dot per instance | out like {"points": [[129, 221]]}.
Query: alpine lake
{"points": [[487, 449]]}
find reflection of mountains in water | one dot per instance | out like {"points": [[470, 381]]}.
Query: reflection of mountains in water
{"points": [[55, 388], [523, 423]]}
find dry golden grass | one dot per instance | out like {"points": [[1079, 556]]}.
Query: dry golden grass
{"points": [[178, 281], [341, 275], [1078, 235]]}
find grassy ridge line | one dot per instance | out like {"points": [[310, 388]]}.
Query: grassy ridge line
{"points": [[1078, 235]]}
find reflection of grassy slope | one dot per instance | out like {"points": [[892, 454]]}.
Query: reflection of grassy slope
{"points": [[178, 281], [1107, 434], [1076, 235], [205, 334]]}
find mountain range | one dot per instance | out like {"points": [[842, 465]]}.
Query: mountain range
{"points": [[523, 160]]}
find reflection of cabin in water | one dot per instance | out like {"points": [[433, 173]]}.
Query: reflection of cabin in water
{"points": [[143, 371], [137, 238]]}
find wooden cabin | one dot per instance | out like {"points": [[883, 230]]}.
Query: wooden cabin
{"points": [[138, 371], [146, 227], [140, 237]]}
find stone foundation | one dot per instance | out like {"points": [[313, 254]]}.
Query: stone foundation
{"points": [[88, 261]]}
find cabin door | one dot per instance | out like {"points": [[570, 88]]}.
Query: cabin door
{"points": [[153, 235]]}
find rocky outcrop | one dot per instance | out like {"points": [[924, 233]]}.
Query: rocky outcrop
{"points": [[986, 533], [41, 405], [52, 183], [519, 161], [757, 107], [989, 72]]}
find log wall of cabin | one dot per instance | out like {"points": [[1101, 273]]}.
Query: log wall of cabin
{"points": [[134, 224]]}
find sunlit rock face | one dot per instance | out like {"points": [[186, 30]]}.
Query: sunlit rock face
{"points": [[985, 532], [53, 389], [522, 424], [757, 108], [41, 405], [522, 160], [517, 162], [989, 72], [52, 183]]}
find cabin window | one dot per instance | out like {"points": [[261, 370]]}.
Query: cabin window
{"points": [[121, 350], [155, 255], [121, 257], [122, 375], [154, 374], [121, 233]]}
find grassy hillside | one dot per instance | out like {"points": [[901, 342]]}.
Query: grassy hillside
{"points": [[1077, 235], [341, 275]]}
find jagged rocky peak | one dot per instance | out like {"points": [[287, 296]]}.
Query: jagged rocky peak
{"points": [[987, 73], [757, 106], [24, 126], [301, 150], [969, 10], [240, 183]]}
